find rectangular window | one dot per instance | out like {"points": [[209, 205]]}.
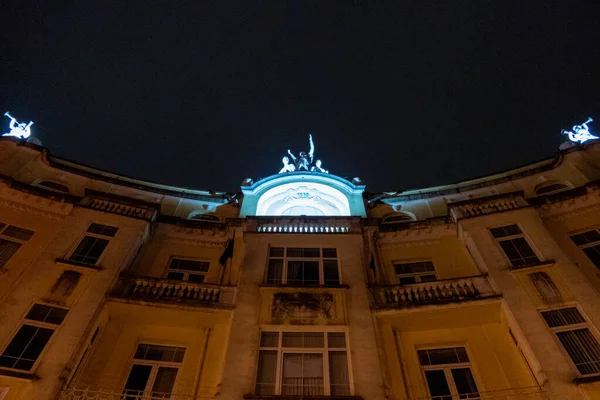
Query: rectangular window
{"points": [[302, 266], [93, 244], [415, 272], [448, 373], [153, 372], [26, 346], [581, 345], [11, 239], [589, 243], [513, 243], [188, 270], [303, 364]]}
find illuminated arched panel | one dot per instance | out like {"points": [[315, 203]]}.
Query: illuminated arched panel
{"points": [[303, 198]]}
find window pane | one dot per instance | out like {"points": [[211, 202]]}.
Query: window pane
{"points": [[269, 339], [593, 253], [302, 374], [275, 271], [7, 249], [407, 280], [427, 278], [43, 313], [338, 373], [303, 272], [450, 355], [18, 233], [304, 252], [89, 250], [195, 278], [336, 339], [189, 265], [159, 353], [25, 348], [267, 372], [163, 383], [178, 276], [103, 230], [586, 237], [562, 317], [330, 253], [276, 252], [583, 348], [137, 380], [518, 252], [438, 386], [303, 339], [504, 231], [330, 272], [465, 384]]}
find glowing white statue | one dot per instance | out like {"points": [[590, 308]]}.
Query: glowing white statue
{"points": [[303, 161], [317, 167], [20, 130], [287, 167], [580, 133]]}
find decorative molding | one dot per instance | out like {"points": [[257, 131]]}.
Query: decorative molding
{"points": [[302, 307], [412, 243], [117, 207], [34, 204], [561, 216], [196, 242], [487, 205]]}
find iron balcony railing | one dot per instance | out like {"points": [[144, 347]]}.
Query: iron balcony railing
{"points": [[524, 393], [115, 394], [437, 292], [157, 289]]}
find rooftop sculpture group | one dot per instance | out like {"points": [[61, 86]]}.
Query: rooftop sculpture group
{"points": [[304, 162], [580, 133], [19, 130]]}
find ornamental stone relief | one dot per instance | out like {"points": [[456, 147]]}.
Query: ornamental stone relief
{"points": [[302, 308]]}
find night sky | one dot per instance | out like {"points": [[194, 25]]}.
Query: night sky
{"points": [[404, 94]]}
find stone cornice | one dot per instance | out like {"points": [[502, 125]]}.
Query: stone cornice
{"points": [[587, 201], [487, 205], [409, 243], [45, 207]]}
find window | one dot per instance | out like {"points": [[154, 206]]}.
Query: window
{"points": [[589, 243], [83, 358], [448, 373], [11, 239], [187, 270], [54, 186], [514, 245], [25, 348], [571, 329], [153, 372], [303, 266], [93, 244], [545, 287], [303, 364], [415, 272]]}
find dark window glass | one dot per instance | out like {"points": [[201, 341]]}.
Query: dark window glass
{"points": [[7, 249], [303, 253], [159, 353], [275, 271], [451, 355], [504, 231], [586, 237], [89, 250], [411, 268], [177, 276], [303, 272], [428, 278], [276, 252], [43, 313], [137, 380], [189, 265], [303, 339], [18, 233], [465, 384], [407, 280], [103, 230], [338, 373], [330, 272], [330, 253], [25, 348], [196, 278], [267, 372], [518, 252], [438, 385], [593, 253], [269, 339], [563, 317], [336, 340], [583, 348], [163, 383]]}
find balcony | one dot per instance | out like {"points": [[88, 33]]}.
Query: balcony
{"points": [[314, 225], [431, 293], [115, 394], [163, 290], [525, 393]]}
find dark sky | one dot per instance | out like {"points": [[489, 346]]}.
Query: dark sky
{"points": [[404, 94]]}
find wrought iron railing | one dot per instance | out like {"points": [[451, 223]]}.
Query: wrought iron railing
{"points": [[438, 292], [114, 394], [330, 225], [157, 289], [524, 393]]}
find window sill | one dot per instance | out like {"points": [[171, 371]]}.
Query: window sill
{"points": [[532, 265], [586, 379], [78, 264], [289, 397], [272, 285], [26, 376]]}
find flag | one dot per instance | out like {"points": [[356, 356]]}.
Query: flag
{"points": [[372, 264], [227, 253]]}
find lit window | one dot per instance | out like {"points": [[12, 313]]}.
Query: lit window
{"points": [[303, 364], [188, 270], [513, 243], [415, 272], [32, 337], [576, 338], [589, 243], [93, 244], [448, 373], [153, 372], [302, 266], [11, 239]]}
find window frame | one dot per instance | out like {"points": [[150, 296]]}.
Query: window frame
{"points": [[447, 369], [571, 327], [416, 275], [20, 242], [522, 234], [31, 322], [94, 235], [582, 247], [155, 365], [187, 272], [285, 259], [325, 350]]}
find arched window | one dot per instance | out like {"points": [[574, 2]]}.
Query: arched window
{"points": [[204, 217], [548, 188], [398, 218], [54, 186]]}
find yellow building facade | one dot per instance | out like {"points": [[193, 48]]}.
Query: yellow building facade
{"points": [[300, 285]]}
